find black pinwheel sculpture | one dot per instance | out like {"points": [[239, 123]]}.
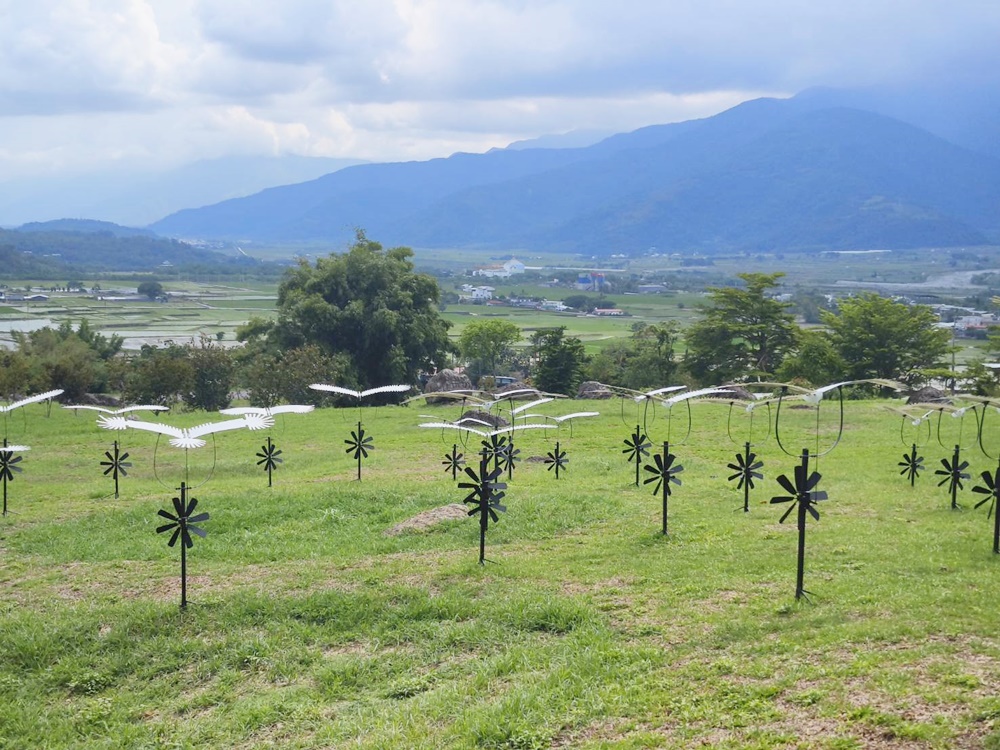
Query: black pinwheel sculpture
{"points": [[803, 495], [746, 471], [509, 457], [556, 459], [992, 492], [116, 465], [912, 464], [485, 494], [358, 446], [9, 461], [953, 473], [637, 448], [454, 461], [664, 473], [182, 524], [495, 445], [269, 457]]}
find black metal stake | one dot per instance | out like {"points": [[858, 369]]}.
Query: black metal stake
{"points": [[800, 573], [484, 503]]}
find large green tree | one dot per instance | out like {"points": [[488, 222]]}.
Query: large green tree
{"points": [[487, 345], [558, 361], [369, 305], [645, 360], [744, 331], [878, 337]]}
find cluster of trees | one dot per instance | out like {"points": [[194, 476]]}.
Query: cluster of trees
{"points": [[365, 318]]}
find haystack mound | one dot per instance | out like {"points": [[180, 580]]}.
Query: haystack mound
{"points": [[447, 380]]}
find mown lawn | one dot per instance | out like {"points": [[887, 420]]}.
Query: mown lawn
{"points": [[310, 627]]}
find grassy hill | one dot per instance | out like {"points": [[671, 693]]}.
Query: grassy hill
{"points": [[310, 627]]}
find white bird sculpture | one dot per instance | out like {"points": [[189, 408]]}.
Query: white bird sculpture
{"points": [[268, 411], [359, 395], [4, 409], [123, 410], [483, 433], [188, 437]]}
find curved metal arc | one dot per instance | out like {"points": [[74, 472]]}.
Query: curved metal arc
{"points": [[960, 415], [818, 453], [752, 409], [211, 472]]}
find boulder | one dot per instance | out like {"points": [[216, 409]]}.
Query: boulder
{"points": [[593, 389], [484, 416], [928, 395]]}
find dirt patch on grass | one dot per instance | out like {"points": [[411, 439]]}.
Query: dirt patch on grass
{"points": [[429, 518]]}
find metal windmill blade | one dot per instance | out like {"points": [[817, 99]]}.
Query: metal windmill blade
{"points": [[912, 464], [556, 459], [454, 461], [116, 464], [485, 494], [802, 496], [270, 457], [991, 488], [746, 471], [182, 523], [636, 449], [9, 461], [664, 473], [953, 472], [359, 445]]}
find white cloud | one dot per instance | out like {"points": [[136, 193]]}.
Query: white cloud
{"points": [[87, 81]]}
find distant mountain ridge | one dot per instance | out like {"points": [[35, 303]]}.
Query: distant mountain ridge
{"points": [[794, 174]]}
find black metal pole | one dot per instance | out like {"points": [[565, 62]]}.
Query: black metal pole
{"points": [[954, 478], [484, 507], [360, 436], [116, 469], [800, 575], [5, 482], [746, 479], [638, 455], [557, 459], [454, 462], [913, 464], [666, 487], [183, 525], [270, 459]]}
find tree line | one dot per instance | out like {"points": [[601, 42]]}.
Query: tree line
{"points": [[365, 318]]}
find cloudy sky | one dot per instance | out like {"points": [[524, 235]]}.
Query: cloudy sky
{"points": [[88, 83]]}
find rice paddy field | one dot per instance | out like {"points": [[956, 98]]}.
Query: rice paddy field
{"points": [[310, 626]]}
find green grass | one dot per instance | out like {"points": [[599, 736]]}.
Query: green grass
{"points": [[309, 627]]}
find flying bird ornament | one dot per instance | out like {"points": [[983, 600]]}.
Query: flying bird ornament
{"points": [[188, 437]]}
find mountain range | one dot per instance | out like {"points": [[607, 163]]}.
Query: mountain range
{"points": [[805, 173]]}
